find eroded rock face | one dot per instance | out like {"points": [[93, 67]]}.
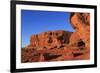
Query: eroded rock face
{"points": [[81, 23], [60, 45], [50, 38]]}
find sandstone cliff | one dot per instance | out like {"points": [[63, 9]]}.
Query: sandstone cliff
{"points": [[50, 38], [81, 23], [61, 45]]}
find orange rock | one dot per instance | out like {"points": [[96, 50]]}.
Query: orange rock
{"points": [[81, 23], [61, 45], [50, 38]]}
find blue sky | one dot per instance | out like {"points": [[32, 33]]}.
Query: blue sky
{"points": [[35, 22]]}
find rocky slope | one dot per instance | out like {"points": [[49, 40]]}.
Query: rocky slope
{"points": [[60, 45]]}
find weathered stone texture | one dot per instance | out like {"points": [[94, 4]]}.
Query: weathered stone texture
{"points": [[61, 45]]}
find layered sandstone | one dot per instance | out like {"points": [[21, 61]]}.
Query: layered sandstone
{"points": [[50, 38], [61, 45]]}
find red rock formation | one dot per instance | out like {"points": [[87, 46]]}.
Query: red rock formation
{"points": [[81, 23], [61, 45], [50, 38]]}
